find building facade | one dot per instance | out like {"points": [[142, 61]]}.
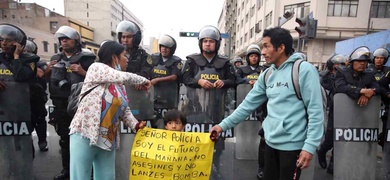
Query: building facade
{"points": [[102, 15], [40, 24], [337, 20]]}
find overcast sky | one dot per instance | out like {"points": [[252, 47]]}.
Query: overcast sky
{"points": [[165, 17]]}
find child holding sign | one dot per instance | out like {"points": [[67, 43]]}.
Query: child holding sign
{"points": [[174, 120]]}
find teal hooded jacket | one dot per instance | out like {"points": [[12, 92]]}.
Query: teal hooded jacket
{"points": [[288, 126]]}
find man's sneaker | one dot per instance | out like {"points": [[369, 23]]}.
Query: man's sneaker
{"points": [[260, 174], [63, 175], [43, 146], [321, 159]]}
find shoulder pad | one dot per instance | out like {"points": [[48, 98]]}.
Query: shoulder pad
{"points": [[30, 57], [56, 57], [171, 61], [368, 70], [82, 56], [198, 59], [155, 58], [324, 73], [220, 62], [176, 58]]}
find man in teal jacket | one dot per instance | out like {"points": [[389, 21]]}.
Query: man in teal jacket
{"points": [[293, 128]]}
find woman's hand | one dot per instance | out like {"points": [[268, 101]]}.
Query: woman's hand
{"points": [[146, 85], [142, 124]]}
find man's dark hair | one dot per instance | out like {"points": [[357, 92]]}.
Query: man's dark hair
{"points": [[278, 37], [173, 115]]}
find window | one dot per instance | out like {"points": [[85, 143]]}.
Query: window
{"points": [[45, 46], [251, 33], [242, 23], [242, 6], [238, 11], [301, 9], [246, 37], [55, 48], [252, 11], [87, 5], [259, 3], [87, 14], [53, 25], [343, 8], [380, 9], [268, 19], [241, 41], [246, 17]]}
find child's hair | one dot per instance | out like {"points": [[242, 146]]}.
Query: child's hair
{"points": [[174, 114]]}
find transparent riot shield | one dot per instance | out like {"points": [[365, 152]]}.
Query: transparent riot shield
{"points": [[386, 151], [355, 138], [166, 96], [141, 105], [16, 158], [205, 108], [247, 138]]}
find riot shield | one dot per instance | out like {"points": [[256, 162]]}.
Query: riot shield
{"points": [[355, 138], [166, 96], [205, 108], [141, 105], [246, 132], [386, 150], [16, 158]]}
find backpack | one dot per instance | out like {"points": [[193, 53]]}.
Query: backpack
{"points": [[73, 99], [295, 81]]}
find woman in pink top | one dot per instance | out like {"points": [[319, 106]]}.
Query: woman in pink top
{"points": [[94, 131]]}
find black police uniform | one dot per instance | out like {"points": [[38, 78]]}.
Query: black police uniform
{"points": [[140, 62], [384, 81], [246, 73], [163, 91], [38, 109], [60, 82]]}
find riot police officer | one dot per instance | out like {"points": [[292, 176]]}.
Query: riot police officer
{"points": [[237, 62], [208, 75], [381, 56], [326, 81], [165, 78], [38, 99], [17, 74], [356, 81], [130, 35], [67, 68], [248, 75]]}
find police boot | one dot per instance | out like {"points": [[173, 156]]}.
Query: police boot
{"points": [[322, 158], [63, 175], [329, 170], [43, 146], [260, 174]]}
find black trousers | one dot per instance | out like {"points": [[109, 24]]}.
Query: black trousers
{"points": [[62, 120], [280, 165], [328, 141]]}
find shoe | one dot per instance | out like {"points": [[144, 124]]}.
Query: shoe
{"points": [[43, 146], [321, 159], [63, 175], [329, 170], [260, 174]]}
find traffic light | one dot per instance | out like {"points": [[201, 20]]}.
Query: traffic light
{"points": [[307, 27], [188, 34]]}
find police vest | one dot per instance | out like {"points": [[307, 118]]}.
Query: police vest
{"points": [[251, 74], [209, 71], [136, 58], [70, 77], [379, 73], [5, 73], [163, 69], [362, 81]]}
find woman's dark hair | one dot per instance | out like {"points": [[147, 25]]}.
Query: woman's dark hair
{"points": [[278, 37], [107, 49], [172, 115]]}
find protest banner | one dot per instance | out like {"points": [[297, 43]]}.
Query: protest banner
{"points": [[171, 155]]}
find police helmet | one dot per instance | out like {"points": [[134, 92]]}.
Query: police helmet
{"points": [[335, 59], [237, 59], [31, 47], [253, 49], [360, 54], [168, 41], [381, 52], [130, 27], [209, 32], [68, 32], [9, 31]]}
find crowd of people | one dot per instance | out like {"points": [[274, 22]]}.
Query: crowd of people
{"points": [[292, 128]]}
